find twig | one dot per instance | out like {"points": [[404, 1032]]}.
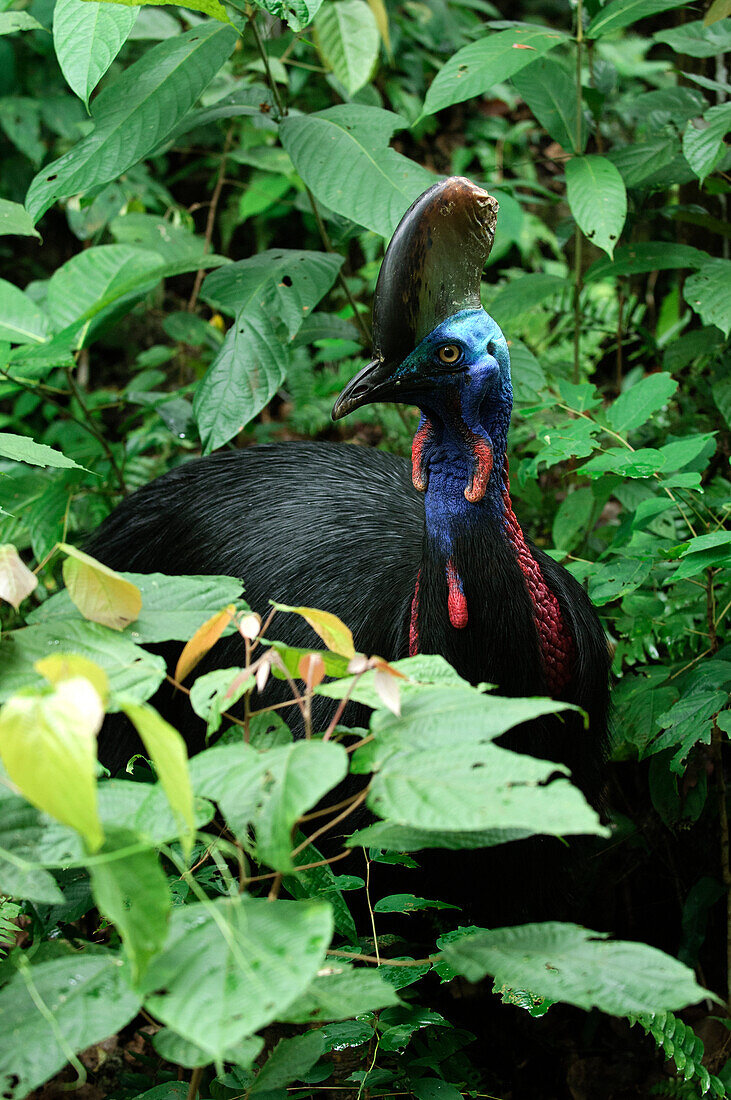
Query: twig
{"points": [[431, 959], [300, 867], [99, 436], [341, 277], [577, 231], [195, 1080], [212, 211], [331, 824]]}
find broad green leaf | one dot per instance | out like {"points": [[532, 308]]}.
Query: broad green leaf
{"points": [[173, 608], [564, 962], [649, 163], [133, 672], [637, 404], [681, 452], [247, 959], [166, 748], [343, 156], [218, 691], [618, 460], [87, 36], [404, 838], [598, 199], [173, 243], [698, 38], [132, 892], [524, 294], [347, 39], [14, 218], [687, 723], [297, 14], [721, 390], [48, 745], [21, 320], [617, 578], [644, 256], [621, 13], [475, 69], [334, 633], [21, 449], [16, 580], [550, 91], [569, 439], [12, 21], [473, 786], [269, 790], [213, 8], [707, 291], [704, 147], [22, 829], [339, 994], [97, 276], [183, 1052], [88, 1000], [407, 903], [572, 519], [135, 114], [101, 594], [20, 118], [270, 295], [27, 883], [291, 1058]]}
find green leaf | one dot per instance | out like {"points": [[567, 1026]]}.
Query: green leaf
{"points": [[569, 439], [48, 745], [247, 959], [88, 1000], [135, 114], [550, 92], [132, 892], [21, 449], [524, 294], [476, 68], [87, 36], [347, 39], [564, 962], [616, 460], [334, 633], [572, 519], [707, 291], [173, 608], [174, 244], [183, 1052], [297, 14], [269, 790], [643, 256], [343, 156], [20, 118], [21, 830], [12, 21], [407, 903], [621, 13], [208, 7], [218, 691], [14, 218], [133, 672], [340, 993], [291, 1059], [271, 294], [403, 838], [636, 405], [696, 39], [618, 578], [598, 199], [649, 163], [21, 320], [704, 147], [687, 723], [167, 750]]}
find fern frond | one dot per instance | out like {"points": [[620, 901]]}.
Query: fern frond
{"points": [[679, 1042]]}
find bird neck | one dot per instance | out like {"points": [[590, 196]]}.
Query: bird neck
{"points": [[475, 543]]}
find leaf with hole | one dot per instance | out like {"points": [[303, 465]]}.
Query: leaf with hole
{"points": [[598, 199], [476, 68]]}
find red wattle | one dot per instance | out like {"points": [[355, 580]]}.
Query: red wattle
{"points": [[419, 475], [414, 625], [456, 602]]}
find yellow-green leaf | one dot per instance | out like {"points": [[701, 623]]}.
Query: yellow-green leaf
{"points": [[333, 631], [209, 7], [166, 749], [66, 666], [16, 579], [204, 639], [48, 746], [719, 9], [100, 594]]}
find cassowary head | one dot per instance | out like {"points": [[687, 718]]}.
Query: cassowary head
{"points": [[435, 345]]}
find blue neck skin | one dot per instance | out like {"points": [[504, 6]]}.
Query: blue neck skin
{"points": [[462, 435]]}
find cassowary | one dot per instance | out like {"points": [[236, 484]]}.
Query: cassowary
{"points": [[422, 559]]}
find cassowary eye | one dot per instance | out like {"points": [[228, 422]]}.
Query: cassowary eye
{"points": [[449, 354]]}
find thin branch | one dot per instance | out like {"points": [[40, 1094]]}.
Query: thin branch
{"points": [[331, 824], [212, 211], [99, 436]]}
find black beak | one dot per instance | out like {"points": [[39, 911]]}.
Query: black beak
{"points": [[373, 383]]}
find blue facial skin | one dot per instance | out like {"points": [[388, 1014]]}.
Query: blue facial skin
{"points": [[474, 393]]}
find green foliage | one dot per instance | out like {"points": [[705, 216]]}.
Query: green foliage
{"points": [[192, 213]]}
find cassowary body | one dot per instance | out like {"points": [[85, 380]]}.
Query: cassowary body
{"points": [[429, 559]]}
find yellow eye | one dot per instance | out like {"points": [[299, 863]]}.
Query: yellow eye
{"points": [[449, 354]]}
